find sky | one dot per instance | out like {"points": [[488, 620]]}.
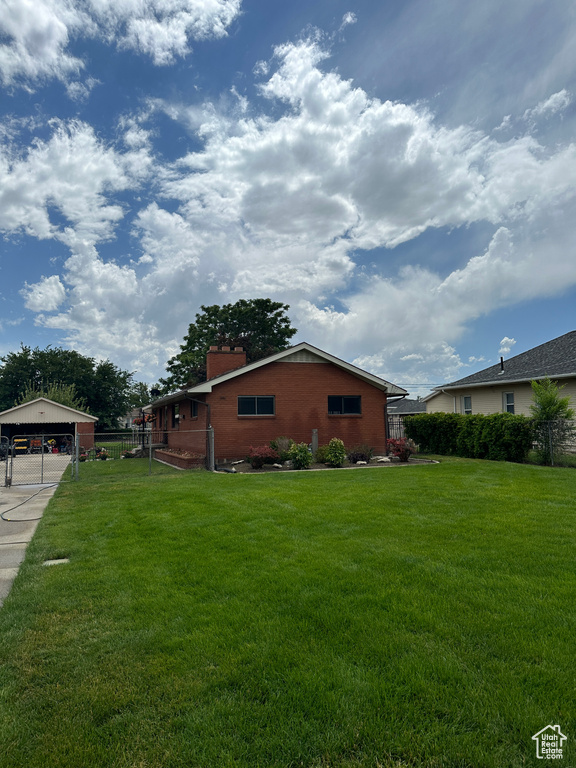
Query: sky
{"points": [[402, 174]]}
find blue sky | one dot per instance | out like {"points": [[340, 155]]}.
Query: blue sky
{"points": [[402, 174]]}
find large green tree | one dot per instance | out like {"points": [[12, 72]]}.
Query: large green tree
{"points": [[102, 386], [260, 326]]}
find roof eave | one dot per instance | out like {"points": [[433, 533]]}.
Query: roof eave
{"points": [[498, 382]]}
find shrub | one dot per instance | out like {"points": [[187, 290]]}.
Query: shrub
{"points": [[282, 447], [335, 452], [498, 437], [402, 448], [360, 453], [320, 455], [434, 432], [260, 455], [300, 456]]}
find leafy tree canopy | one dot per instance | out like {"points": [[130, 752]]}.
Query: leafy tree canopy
{"points": [[102, 387], [260, 326], [59, 393]]}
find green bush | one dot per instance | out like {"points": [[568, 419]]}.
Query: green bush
{"points": [[335, 452], [434, 432], [300, 456], [321, 454], [282, 447], [498, 437]]}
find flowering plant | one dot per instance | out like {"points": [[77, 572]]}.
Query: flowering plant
{"points": [[401, 448], [148, 419]]}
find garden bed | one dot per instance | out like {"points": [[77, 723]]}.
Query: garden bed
{"points": [[245, 466], [179, 458]]}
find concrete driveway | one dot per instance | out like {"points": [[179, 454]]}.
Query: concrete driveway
{"points": [[21, 507]]}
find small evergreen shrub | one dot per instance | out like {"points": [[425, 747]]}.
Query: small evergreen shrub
{"points": [[282, 447], [360, 453], [300, 456], [335, 452], [260, 455]]}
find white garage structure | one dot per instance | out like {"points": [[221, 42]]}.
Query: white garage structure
{"points": [[42, 426]]}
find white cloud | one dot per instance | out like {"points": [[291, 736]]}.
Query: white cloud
{"points": [[72, 173], [557, 102], [285, 206], [45, 296], [506, 345], [39, 33]]}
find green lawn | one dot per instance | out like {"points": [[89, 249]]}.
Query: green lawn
{"points": [[415, 616]]}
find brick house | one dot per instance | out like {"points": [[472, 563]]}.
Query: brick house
{"points": [[291, 393]]}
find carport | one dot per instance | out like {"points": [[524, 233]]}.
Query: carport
{"points": [[45, 417]]}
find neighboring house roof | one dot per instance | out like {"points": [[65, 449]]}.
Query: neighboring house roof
{"points": [[44, 411], [302, 352], [555, 359], [406, 407]]}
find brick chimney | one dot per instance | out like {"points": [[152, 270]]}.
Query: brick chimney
{"points": [[223, 360]]}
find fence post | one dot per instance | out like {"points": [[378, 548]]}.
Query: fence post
{"points": [[150, 455], [210, 457]]}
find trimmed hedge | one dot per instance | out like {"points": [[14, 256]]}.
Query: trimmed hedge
{"points": [[498, 437]]}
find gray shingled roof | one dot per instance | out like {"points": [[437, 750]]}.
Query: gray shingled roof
{"points": [[556, 358], [404, 407]]}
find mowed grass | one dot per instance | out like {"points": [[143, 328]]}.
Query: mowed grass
{"points": [[415, 616]]}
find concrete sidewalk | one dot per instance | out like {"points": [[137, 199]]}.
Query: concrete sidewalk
{"points": [[21, 507]]}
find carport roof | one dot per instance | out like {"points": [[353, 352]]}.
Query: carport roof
{"points": [[44, 411]]}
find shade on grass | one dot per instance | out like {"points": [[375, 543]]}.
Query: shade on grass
{"points": [[416, 616]]}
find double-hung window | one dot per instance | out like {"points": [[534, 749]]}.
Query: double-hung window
{"points": [[508, 402], [467, 404], [344, 405], [258, 405]]}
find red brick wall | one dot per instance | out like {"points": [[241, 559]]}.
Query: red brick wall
{"points": [[85, 431], [301, 391]]}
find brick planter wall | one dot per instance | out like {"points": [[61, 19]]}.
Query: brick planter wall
{"points": [[182, 462]]}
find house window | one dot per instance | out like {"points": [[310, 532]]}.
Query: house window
{"points": [[467, 404], [508, 402], [193, 409], [175, 415], [344, 405], [260, 405]]}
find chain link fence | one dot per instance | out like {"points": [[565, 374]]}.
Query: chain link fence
{"points": [[554, 438]]}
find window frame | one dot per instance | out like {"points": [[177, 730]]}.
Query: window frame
{"points": [[506, 405], [343, 409], [466, 411], [259, 400]]}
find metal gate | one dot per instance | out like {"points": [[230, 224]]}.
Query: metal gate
{"points": [[39, 459]]}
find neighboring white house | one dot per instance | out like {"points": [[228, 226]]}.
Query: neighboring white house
{"points": [[505, 387]]}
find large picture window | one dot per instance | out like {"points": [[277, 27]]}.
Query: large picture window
{"points": [[259, 405], [344, 405]]}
